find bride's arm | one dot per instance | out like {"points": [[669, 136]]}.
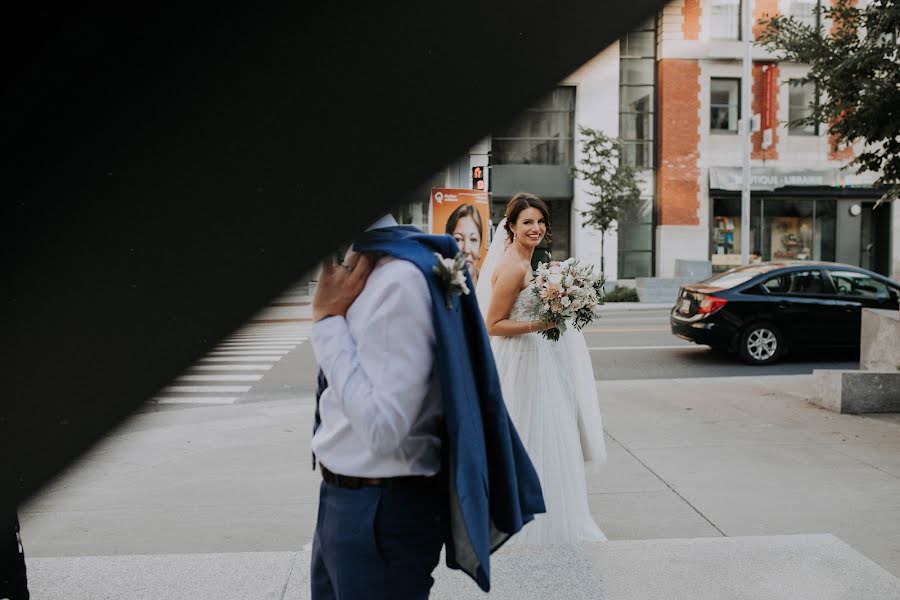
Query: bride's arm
{"points": [[506, 290]]}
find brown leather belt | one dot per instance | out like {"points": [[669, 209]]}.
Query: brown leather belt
{"points": [[354, 483]]}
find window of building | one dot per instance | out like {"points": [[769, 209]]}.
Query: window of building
{"points": [[637, 110], [780, 229], [802, 98], [725, 19], [724, 103], [541, 135], [805, 11], [637, 95]]}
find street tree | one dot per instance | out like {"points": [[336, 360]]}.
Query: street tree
{"points": [[855, 66], [611, 182]]}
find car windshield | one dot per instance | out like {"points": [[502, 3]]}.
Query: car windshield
{"points": [[729, 279]]}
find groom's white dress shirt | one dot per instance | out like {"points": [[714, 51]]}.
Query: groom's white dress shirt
{"points": [[381, 411]]}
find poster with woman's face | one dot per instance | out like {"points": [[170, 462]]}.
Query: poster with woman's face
{"points": [[464, 214]]}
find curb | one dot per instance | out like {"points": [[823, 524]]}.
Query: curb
{"points": [[632, 306]]}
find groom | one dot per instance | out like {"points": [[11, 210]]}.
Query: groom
{"points": [[413, 440]]}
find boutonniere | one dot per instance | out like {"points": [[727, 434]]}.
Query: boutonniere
{"points": [[452, 273]]}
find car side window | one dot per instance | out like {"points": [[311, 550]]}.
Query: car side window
{"points": [[803, 282], [859, 285], [775, 285]]}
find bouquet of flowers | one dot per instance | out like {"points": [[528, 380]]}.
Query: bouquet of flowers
{"points": [[568, 292]]}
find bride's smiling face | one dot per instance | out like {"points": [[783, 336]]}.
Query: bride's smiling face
{"points": [[530, 228]]}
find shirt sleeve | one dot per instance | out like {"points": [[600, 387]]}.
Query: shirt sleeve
{"points": [[382, 378]]}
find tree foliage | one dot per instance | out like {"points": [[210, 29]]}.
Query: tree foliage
{"points": [[612, 183], [855, 66]]}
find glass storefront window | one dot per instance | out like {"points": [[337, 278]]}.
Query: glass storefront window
{"points": [[788, 229], [780, 229], [825, 237], [726, 242]]}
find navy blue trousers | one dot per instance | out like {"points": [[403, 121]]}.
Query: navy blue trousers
{"points": [[377, 543]]}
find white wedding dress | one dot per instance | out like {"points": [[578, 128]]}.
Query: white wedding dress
{"points": [[551, 396]]}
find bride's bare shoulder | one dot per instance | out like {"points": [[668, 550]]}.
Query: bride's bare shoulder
{"points": [[509, 269]]}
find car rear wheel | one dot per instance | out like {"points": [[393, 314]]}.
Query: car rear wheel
{"points": [[761, 344]]}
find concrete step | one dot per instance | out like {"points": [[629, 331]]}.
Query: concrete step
{"points": [[789, 567]]}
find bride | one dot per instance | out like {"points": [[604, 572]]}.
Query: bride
{"points": [[548, 386]]}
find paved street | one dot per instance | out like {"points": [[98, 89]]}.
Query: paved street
{"points": [[638, 344], [207, 491], [273, 360]]}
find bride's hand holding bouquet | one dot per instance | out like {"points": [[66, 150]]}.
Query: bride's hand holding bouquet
{"points": [[568, 292]]}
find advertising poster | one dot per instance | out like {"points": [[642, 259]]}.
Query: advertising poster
{"points": [[464, 214]]}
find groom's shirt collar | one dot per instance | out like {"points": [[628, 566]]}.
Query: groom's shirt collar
{"points": [[387, 220]]}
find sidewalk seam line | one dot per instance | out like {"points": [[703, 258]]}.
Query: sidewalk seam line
{"points": [[290, 574], [863, 462], [666, 483]]}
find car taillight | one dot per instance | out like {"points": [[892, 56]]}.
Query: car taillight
{"points": [[710, 305]]}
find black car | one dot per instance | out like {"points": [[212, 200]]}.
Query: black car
{"points": [[763, 311]]}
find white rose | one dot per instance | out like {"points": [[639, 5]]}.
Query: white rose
{"points": [[554, 278], [565, 301], [569, 280]]}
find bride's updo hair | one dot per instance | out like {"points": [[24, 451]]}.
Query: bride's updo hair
{"points": [[520, 202]]}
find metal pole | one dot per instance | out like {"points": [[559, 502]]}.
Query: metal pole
{"points": [[746, 120]]}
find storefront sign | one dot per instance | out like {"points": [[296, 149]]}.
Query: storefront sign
{"points": [[770, 178]]}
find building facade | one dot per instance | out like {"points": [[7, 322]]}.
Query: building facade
{"points": [[804, 204], [670, 89]]}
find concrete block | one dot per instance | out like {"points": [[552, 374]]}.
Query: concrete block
{"points": [[880, 340], [857, 392], [660, 290], [698, 269]]}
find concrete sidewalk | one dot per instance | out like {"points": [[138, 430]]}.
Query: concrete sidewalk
{"points": [[715, 488]]}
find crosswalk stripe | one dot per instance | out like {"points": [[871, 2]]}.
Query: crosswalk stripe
{"points": [[233, 360], [196, 400], [243, 338], [270, 342], [231, 367], [256, 347], [265, 358], [220, 378], [248, 352], [286, 338], [219, 389]]}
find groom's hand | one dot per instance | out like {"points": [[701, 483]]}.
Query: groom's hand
{"points": [[340, 284]]}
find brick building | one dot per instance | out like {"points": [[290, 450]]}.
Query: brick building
{"points": [[671, 90], [803, 204]]}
